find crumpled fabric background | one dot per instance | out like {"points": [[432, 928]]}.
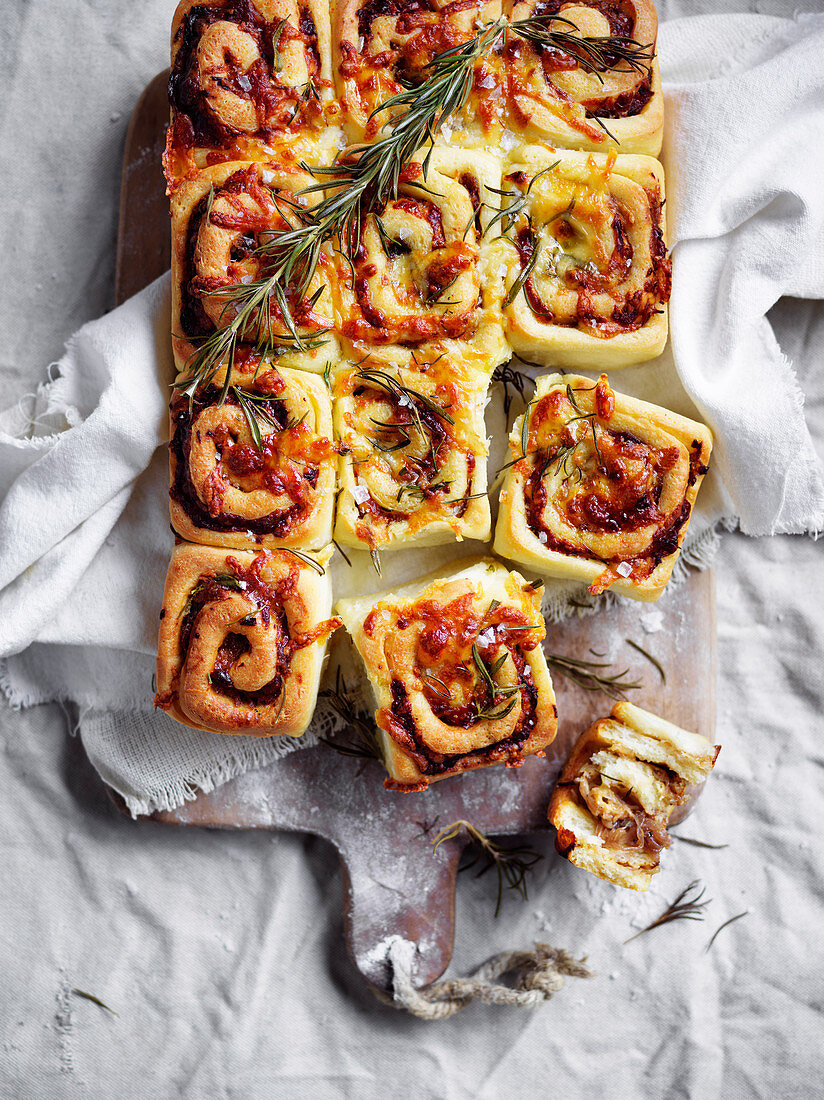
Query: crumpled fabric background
{"points": [[223, 954]]}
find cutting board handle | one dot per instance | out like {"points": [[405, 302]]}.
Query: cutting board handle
{"points": [[411, 896]]}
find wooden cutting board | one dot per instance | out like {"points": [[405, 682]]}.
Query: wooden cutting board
{"points": [[394, 882]]}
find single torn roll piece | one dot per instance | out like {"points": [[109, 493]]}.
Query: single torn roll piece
{"points": [[459, 676], [242, 639], [615, 797]]}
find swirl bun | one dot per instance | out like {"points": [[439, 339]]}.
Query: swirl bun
{"points": [[555, 100], [601, 487], [459, 676], [414, 454], [242, 640], [258, 466], [220, 219], [586, 273], [249, 82]]}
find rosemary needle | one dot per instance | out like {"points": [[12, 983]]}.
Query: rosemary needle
{"points": [[649, 657], [362, 731], [96, 1000], [721, 928]]}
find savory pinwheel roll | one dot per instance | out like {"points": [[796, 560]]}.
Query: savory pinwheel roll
{"points": [[600, 487], [252, 459], [618, 790], [417, 273], [225, 224], [249, 81], [458, 673], [591, 82], [413, 455], [381, 49], [242, 639], [583, 258]]}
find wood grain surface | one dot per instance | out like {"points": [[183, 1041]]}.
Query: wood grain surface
{"points": [[394, 883]]}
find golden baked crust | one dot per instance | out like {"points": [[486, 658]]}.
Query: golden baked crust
{"points": [[380, 48], [219, 217], [433, 651], [413, 454], [597, 293], [242, 640], [250, 82], [612, 803], [554, 101], [258, 465], [611, 510], [418, 276]]}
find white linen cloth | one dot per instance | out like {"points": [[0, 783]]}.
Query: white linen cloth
{"points": [[83, 524]]}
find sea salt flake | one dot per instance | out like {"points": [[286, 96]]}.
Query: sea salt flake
{"points": [[487, 637], [244, 82], [508, 141], [542, 536], [652, 622], [361, 43], [487, 82], [623, 568], [360, 494]]}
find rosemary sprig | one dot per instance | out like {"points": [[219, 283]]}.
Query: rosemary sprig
{"points": [[426, 826], [721, 928], [247, 308], [598, 54], [96, 1000], [397, 389], [517, 201], [588, 675], [513, 381], [657, 664], [512, 864], [363, 733], [685, 907], [254, 406]]}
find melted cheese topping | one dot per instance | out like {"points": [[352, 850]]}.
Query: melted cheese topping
{"points": [[593, 248], [384, 46], [458, 666], [227, 229], [414, 451]]}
